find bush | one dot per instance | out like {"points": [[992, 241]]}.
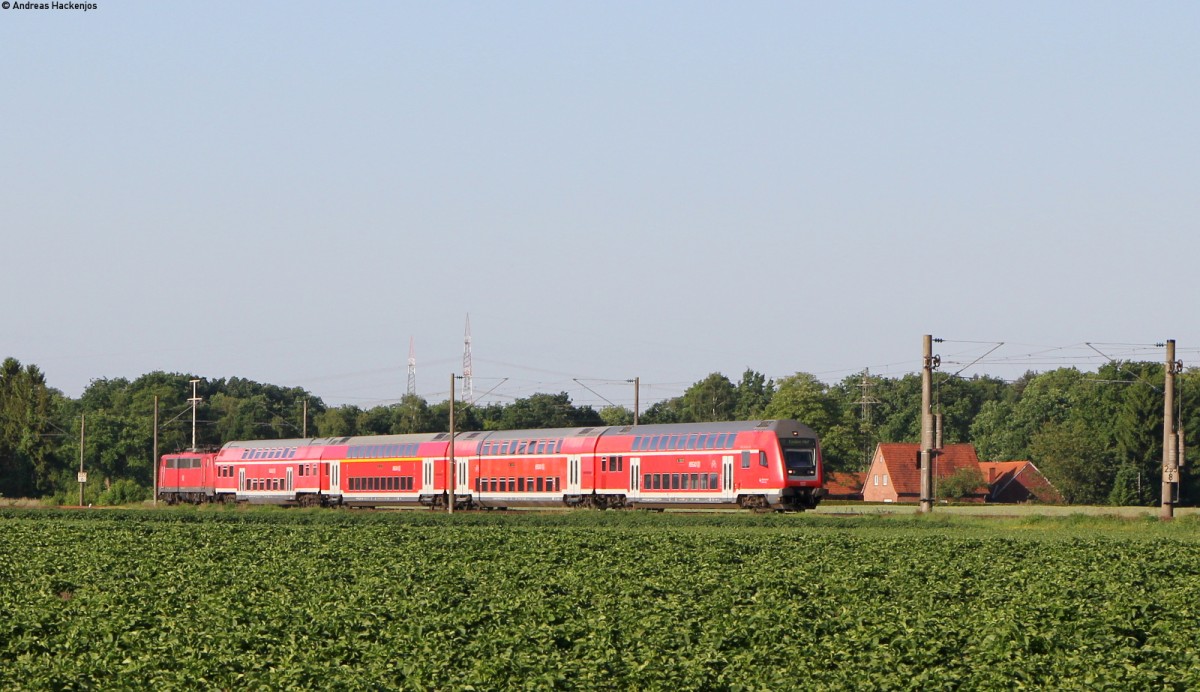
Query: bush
{"points": [[124, 492]]}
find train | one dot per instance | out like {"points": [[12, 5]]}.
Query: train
{"points": [[756, 465]]}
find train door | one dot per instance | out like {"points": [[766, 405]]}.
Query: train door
{"points": [[427, 477], [241, 480], [335, 478], [289, 480], [462, 484], [573, 475], [635, 478], [727, 487]]}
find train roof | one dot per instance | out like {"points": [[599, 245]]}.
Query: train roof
{"points": [[782, 427]]}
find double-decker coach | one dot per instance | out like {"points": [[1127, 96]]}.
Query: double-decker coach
{"points": [[750, 464]]}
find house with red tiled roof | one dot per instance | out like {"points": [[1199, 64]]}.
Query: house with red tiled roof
{"points": [[895, 472], [840, 485], [1017, 481]]}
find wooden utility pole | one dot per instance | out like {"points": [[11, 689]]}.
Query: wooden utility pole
{"points": [[304, 423], [154, 453], [929, 362], [450, 471], [82, 475], [1170, 469], [637, 391]]}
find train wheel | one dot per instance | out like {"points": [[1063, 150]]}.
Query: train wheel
{"points": [[752, 502]]}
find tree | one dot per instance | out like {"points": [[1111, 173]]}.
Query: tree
{"points": [[804, 398], [412, 416], [710, 399], [27, 461], [753, 394], [548, 411], [616, 416], [341, 421], [993, 433], [665, 411], [1074, 460], [899, 410], [1139, 436]]}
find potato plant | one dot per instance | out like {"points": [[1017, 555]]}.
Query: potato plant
{"points": [[591, 601]]}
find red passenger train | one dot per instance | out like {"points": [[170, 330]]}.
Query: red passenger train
{"points": [[766, 464]]}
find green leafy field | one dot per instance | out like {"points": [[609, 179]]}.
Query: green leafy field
{"points": [[353, 600]]}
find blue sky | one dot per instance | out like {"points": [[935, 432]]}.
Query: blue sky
{"points": [[289, 191]]}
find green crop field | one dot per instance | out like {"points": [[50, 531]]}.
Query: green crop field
{"points": [[367, 600]]}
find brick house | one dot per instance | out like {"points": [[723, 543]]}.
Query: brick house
{"points": [[895, 471], [1017, 481]]}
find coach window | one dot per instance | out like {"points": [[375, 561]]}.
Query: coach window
{"points": [[604, 464], [745, 460], [521, 484], [762, 459]]}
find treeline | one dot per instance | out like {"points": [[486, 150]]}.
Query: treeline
{"points": [[1097, 436]]}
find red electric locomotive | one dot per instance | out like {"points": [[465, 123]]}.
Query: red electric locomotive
{"points": [[750, 464]]}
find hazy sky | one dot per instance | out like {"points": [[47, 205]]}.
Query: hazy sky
{"points": [[289, 191]]}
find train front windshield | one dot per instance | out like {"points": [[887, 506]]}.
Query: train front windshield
{"points": [[799, 457]]}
